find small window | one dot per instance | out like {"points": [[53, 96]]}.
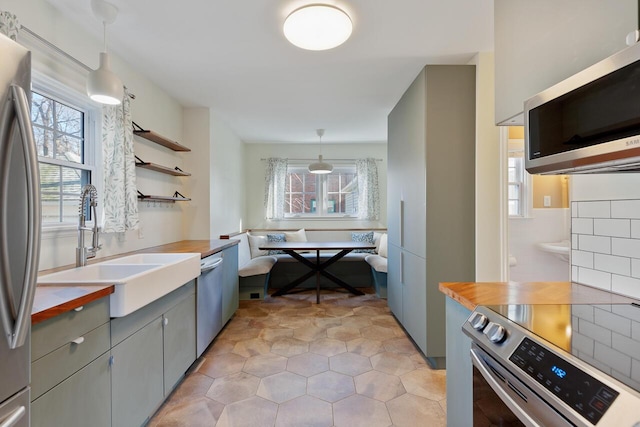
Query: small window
{"points": [[333, 194], [61, 134], [516, 186]]}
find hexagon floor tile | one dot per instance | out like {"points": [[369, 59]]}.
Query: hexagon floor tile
{"points": [[287, 361]]}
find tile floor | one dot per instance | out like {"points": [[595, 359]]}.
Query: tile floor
{"points": [[287, 361]]}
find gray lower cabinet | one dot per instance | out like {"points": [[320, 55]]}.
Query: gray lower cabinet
{"points": [[70, 381], [83, 399], [179, 344], [152, 349], [230, 289], [137, 376]]}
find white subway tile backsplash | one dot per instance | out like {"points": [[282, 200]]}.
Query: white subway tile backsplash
{"points": [[597, 333], [626, 345], [612, 264], [582, 225], [582, 343], [625, 247], [597, 279], [635, 229], [625, 209], [630, 311], [582, 259], [612, 227], [605, 243], [585, 312], [613, 322], [613, 357], [635, 370], [625, 286], [635, 267], [626, 379], [599, 244], [635, 330], [595, 363], [601, 209]]}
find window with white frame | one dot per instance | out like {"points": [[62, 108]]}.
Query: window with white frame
{"points": [[516, 186], [329, 195], [61, 130]]}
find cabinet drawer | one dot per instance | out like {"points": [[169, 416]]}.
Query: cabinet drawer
{"points": [[83, 399], [50, 370], [60, 330]]}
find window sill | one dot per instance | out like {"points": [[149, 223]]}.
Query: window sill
{"points": [[318, 218]]}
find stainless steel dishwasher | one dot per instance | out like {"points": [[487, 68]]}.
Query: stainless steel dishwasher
{"points": [[209, 301]]}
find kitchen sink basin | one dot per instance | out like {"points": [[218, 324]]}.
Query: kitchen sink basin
{"points": [[138, 279]]}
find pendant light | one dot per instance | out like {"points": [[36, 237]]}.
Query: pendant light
{"points": [[317, 27], [320, 167], [103, 85]]}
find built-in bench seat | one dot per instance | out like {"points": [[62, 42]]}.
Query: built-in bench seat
{"points": [[259, 271]]}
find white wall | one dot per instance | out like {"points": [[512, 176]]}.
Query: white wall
{"points": [[153, 108], [605, 232], [228, 183], [534, 265], [255, 175], [490, 256]]}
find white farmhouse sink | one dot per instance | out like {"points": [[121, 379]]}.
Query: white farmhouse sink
{"points": [[138, 279]]}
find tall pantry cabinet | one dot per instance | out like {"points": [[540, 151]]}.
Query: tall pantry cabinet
{"points": [[431, 200]]}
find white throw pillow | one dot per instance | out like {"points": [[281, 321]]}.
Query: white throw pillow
{"points": [[376, 240], [296, 236], [382, 250], [254, 243]]}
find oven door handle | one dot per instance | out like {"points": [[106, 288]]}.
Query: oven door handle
{"points": [[502, 394]]}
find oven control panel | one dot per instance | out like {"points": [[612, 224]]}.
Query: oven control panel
{"points": [[586, 395]]}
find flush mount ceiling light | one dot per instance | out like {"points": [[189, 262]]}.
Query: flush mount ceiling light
{"points": [[103, 85], [317, 27], [320, 167]]}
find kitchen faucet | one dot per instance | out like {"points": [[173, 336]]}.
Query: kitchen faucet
{"points": [[82, 253]]}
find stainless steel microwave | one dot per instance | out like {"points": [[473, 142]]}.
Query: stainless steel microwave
{"points": [[588, 123]]}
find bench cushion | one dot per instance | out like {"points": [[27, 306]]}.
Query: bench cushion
{"points": [[259, 265], [377, 262]]}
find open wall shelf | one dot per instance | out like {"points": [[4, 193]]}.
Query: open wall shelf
{"points": [[177, 197], [176, 171], [158, 139]]}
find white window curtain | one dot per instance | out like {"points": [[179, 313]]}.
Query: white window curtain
{"points": [[9, 25], [120, 211], [368, 191], [275, 181]]}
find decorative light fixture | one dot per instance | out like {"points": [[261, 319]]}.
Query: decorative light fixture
{"points": [[321, 167], [317, 27], [103, 85]]}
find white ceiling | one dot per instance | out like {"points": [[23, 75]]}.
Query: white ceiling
{"points": [[231, 56]]}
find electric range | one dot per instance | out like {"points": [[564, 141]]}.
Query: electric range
{"points": [[561, 364]]}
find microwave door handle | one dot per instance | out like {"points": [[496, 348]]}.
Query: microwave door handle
{"points": [[508, 400], [23, 320]]}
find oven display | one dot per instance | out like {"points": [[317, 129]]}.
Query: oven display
{"points": [[583, 393]]}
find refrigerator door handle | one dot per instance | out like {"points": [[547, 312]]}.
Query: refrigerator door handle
{"points": [[14, 417], [17, 329]]}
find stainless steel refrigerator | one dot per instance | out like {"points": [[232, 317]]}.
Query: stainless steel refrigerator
{"points": [[19, 231]]}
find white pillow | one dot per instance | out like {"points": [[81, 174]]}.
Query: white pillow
{"points": [[254, 243], [382, 250], [376, 240], [296, 236]]}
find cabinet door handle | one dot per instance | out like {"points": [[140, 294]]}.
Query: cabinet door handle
{"points": [[79, 308], [78, 340], [14, 417], [165, 321]]}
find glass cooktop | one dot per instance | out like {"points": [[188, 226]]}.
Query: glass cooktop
{"points": [[605, 336]]}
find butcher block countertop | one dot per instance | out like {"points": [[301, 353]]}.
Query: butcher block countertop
{"points": [[51, 301], [472, 294]]}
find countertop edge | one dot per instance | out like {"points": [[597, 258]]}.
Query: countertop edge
{"points": [[49, 312]]}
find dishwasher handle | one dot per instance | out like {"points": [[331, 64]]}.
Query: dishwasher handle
{"points": [[207, 265]]}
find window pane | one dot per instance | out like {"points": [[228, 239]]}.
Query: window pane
{"points": [[69, 148], [44, 141], [41, 110], [60, 192], [513, 176], [514, 207], [69, 120], [514, 191]]}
